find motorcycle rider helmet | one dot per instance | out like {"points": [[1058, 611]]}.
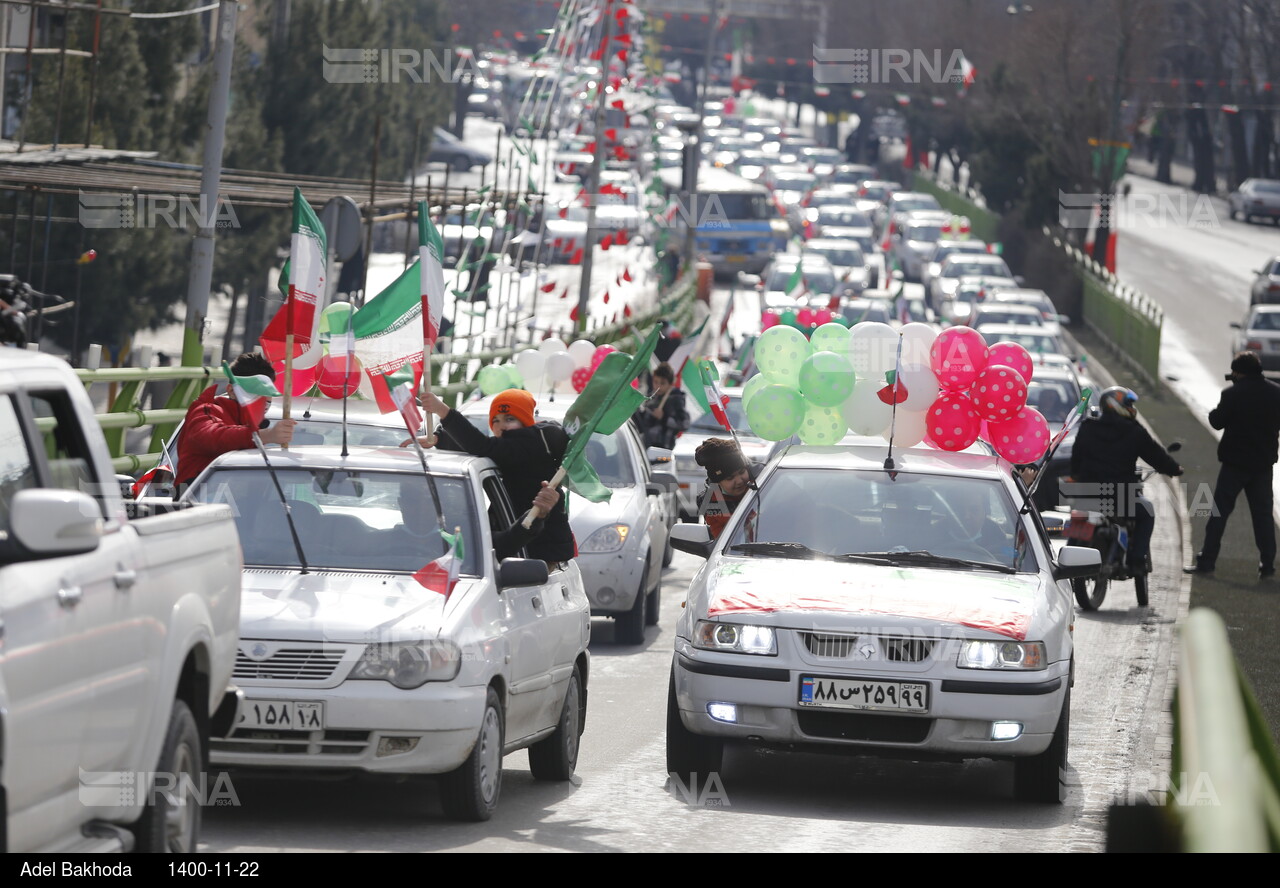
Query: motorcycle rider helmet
{"points": [[1120, 400]]}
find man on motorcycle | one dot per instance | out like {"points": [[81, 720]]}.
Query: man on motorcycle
{"points": [[1106, 452]]}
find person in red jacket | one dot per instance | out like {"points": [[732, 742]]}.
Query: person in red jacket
{"points": [[217, 424]]}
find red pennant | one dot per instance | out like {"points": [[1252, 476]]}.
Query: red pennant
{"points": [[573, 314], [564, 212], [606, 242], [589, 148], [626, 275], [622, 56], [623, 38], [565, 294], [619, 104], [617, 282], [606, 297], [612, 135], [549, 287], [626, 311], [576, 258], [597, 55], [558, 243]]}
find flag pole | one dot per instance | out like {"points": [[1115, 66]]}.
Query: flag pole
{"points": [[288, 515], [893, 416]]}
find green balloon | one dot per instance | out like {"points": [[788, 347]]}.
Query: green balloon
{"points": [[493, 379], [779, 352], [842, 321], [787, 318], [822, 425], [832, 337], [515, 379], [754, 384], [826, 379], [775, 412]]}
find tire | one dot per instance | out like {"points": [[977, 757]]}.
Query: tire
{"points": [[629, 627], [690, 756], [471, 791], [1232, 213], [1039, 778], [170, 821], [1140, 584], [653, 606], [668, 554], [460, 163], [556, 757], [1090, 593]]}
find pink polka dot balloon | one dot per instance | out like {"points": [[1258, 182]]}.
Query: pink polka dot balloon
{"points": [[956, 357], [580, 378], [600, 355], [1023, 439], [769, 319], [1010, 354], [952, 422], [999, 393]]}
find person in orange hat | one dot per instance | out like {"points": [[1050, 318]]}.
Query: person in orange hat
{"points": [[527, 452]]}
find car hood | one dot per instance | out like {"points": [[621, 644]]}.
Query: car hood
{"points": [[585, 517], [835, 595], [341, 606]]}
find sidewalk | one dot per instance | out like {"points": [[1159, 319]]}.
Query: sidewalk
{"points": [[1181, 173], [1251, 609]]}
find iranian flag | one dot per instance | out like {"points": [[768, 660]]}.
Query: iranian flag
{"points": [[431, 275], [407, 404], [441, 575], [300, 315], [249, 390], [679, 359], [388, 335], [717, 401], [968, 73]]}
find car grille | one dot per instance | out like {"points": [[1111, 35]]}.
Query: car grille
{"points": [[260, 742], [301, 664], [854, 726], [893, 649]]}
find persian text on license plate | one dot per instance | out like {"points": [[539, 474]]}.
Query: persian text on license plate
{"points": [[736, 258], [282, 715], [852, 693]]}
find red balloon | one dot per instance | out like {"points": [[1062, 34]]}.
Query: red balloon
{"points": [[769, 319], [601, 352], [956, 357], [952, 422], [338, 377], [580, 378], [805, 316], [1023, 439], [999, 393], [303, 380], [1010, 354]]}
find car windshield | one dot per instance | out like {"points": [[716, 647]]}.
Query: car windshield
{"points": [[1036, 343], [915, 203], [957, 267], [1002, 316], [1267, 187], [857, 312], [812, 280], [793, 183], [924, 232], [1265, 320], [843, 216], [732, 206], [1054, 398], [840, 512], [345, 519], [842, 256]]}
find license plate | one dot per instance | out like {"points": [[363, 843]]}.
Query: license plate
{"points": [[282, 715], [855, 693], [736, 258]]}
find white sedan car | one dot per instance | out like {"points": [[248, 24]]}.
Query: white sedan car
{"points": [[355, 655], [911, 610]]}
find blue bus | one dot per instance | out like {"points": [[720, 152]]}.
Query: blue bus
{"points": [[736, 225]]}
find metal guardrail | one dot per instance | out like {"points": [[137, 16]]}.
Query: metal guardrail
{"points": [[453, 375], [1126, 319]]}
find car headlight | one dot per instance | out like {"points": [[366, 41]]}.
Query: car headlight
{"points": [[1026, 655], [409, 664], [734, 638], [609, 538]]}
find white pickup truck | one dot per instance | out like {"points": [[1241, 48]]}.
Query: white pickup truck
{"points": [[117, 635]]}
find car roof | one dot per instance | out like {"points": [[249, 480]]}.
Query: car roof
{"points": [[326, 456], [871, 457]]}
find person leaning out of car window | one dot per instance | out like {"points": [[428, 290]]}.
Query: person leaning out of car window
{"points": [[729, 477]]}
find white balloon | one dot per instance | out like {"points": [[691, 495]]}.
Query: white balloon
{"points": [[551, 346], [582, 351], [531, 365], [922, 386], [560, 366], [865, 413], [908, 427], [917, 339], [873, 348]]}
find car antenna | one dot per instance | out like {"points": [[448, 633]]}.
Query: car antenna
{"points": [[894, 386]]}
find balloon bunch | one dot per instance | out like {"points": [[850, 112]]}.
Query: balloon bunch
{"points": [[806, 320], [948, 389], [552, 362]]}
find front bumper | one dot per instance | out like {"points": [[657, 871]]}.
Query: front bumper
{"points": [[612, 579], [957, 726]]}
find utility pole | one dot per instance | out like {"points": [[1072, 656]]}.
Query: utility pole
{"points": [[593, 181], [201, 279]]}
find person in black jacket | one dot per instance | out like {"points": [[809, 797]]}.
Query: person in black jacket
{"points": [[1106, 453], [1249, 415], [666, 414], [526, 452]]}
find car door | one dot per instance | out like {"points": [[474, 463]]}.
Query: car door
{"points": [[654, 510]]}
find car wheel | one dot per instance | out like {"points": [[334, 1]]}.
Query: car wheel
{"points": [[556, 757], [690, 756], [668, 553], [460, 163], [1140, 584], [629, 627], [653, 606], [1090, 592], [470, 792], [1040, 778], [1232, 213], [171, 818]]}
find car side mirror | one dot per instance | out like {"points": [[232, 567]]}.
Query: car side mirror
{"points": [[692, 538], [1064, 319], [47, 523], [1019, 280], [659, 456], [1075, 562], [513, 572]]}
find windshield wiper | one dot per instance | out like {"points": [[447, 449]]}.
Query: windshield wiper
{"points": [[780, 550], [920, 556]]}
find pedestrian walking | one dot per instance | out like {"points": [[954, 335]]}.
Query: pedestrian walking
{"points": [[1248, 413]]}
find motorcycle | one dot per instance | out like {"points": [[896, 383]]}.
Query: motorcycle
{"points": [[1109, 534]]}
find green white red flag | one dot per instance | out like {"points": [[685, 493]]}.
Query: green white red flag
{"points": [[431, 272], [300, 315], [441, 575], [388, 334], [717, 401], [407, 403], [250, 390]]}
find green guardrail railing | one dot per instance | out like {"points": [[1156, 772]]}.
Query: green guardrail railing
{"points": [[1126, 319], [453, 376], [983, 223], [1224, 781]]}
